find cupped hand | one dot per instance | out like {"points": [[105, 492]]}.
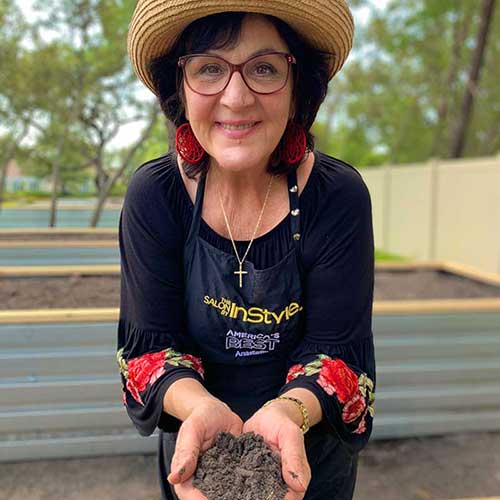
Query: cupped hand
{"points": [[197, 434], [284, 437]]}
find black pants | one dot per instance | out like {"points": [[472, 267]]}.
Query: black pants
{"points": [[166, 448], [334, 472]]}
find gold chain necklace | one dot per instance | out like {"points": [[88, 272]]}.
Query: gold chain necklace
{"points": [[240, 271]]}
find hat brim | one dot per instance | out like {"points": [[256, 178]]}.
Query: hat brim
{"points": [[327, 25]]}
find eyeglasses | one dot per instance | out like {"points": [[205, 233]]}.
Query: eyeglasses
{"points": [[263, 74]]}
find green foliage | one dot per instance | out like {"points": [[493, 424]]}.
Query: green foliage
{"points": [[67, 75], [64, 75], [119, 189], [156, 145], [381, 256], [23, 198], [389, 97]]}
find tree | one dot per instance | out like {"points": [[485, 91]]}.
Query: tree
{"points": [[89, 94], [472, 86], [461, 26], [400, 92], [16, 101]]}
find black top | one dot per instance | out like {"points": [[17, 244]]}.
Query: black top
{"points": [[334, 354]]}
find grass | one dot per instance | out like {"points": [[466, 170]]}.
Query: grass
{"points": [[23, 197], [381, 256]]}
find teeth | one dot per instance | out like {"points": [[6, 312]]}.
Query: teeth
{"points": [[237, 127]]}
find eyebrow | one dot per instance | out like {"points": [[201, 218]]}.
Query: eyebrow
{"points": [[265, 50]]}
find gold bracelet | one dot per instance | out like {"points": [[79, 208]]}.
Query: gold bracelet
{"points": [[305, 415]]}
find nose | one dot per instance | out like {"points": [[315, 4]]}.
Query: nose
{"points": [[237, 94]]}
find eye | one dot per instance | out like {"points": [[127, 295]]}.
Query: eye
{"points": [[264, 69], [211, 69]]}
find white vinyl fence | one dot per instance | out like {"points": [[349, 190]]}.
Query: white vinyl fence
{"points": [[440, 210]]}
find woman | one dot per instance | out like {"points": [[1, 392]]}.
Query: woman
{"points": [[247, 256]]}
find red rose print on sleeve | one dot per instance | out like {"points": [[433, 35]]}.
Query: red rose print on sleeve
{"points": [[294, 372], [144, 370], [353, 408], [354, 392], [337, 378]]}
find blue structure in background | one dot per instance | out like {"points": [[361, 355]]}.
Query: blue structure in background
{"points": [[26, 218]]}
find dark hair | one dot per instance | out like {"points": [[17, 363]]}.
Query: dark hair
{"points": [[219, 31]]}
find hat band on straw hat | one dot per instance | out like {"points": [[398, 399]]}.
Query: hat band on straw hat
{"points": [[156, 24]]}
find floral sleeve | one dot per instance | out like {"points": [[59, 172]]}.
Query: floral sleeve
{"points": [[355, 393], [142, 372]]}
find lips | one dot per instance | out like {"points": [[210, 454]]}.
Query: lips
{"points": [[237, 129], [237, 125]]}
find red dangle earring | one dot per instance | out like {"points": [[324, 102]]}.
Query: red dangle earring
{"points": [[187, 145], [294, 146]]}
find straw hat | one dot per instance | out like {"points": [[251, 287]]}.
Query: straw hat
{"points": [[327, 24]]}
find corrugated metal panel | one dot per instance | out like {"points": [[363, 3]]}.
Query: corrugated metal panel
{"points": [[60, 391], [407, 326], [404, 425], [74, 362], [58, 256], [55, 390], [77, 446], [64, 418], [48, 336], [428, 373], [437, 374]]}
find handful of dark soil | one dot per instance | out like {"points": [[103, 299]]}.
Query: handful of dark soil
{"points": [[242, 468]]}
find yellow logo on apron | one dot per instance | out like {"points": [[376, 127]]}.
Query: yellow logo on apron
{"points": [[227, 307]]}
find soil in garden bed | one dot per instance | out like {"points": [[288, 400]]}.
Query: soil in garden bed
{"points": [[20, 237], [429, 284], [104, 291], [56, 292]]}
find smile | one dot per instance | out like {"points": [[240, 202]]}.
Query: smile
{"points": [[244, 126], [237, 130]]}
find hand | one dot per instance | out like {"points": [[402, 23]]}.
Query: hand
{"points": [[275, 423], [197, 434]]}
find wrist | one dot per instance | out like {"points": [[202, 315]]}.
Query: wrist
{"points": [[294, 409], [212, 402], [291, 410], [310, 401], [184, 396]]}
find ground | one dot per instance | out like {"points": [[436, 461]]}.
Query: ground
{"points": [[431, 468]]}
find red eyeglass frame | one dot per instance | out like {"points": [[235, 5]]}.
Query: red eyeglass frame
{"points": [[181, 62]]}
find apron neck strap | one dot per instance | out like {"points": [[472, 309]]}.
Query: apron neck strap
{"points": [[198, 204], [293, 195]]}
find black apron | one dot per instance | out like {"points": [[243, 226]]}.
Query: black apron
{"points": [[245, 334]]}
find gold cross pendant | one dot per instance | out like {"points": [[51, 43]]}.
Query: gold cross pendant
{"points": [[241, 273]]}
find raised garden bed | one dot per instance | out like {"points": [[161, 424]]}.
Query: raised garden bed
{"points": [[85, 288], [437, 340]]}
